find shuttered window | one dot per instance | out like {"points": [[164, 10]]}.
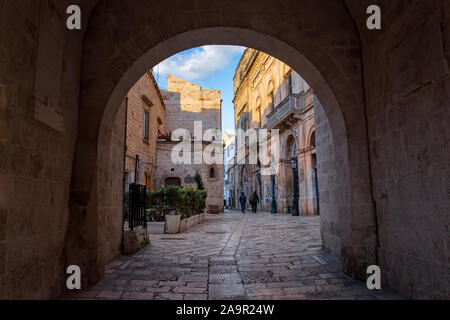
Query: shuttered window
{"points": [[146, 125]]}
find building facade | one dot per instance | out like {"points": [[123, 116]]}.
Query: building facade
{"points": [[198, 113], [229, 142], [145, 111], [270, 95]]}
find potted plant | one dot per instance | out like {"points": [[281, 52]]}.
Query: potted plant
{"points": [[156, 222], [170, 198]]}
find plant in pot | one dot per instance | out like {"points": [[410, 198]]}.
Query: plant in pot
{"points": [[173, 220], [155, 215], [171, 196], [156, 221]]}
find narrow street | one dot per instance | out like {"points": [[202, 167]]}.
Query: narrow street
{"points": [[233, 256]]}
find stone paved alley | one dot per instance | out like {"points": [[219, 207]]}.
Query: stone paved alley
{"points": [[233, 256]]}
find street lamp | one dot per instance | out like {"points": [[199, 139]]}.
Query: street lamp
{"points": [[294, 166], [273, 204]]}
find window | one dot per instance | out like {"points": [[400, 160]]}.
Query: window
{"points": [[212, 173], [258, 114], [271, 101], [146, 125], [271, 96], [313, 140]]}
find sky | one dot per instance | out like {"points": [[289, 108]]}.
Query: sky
{"points": [[211, 67]]}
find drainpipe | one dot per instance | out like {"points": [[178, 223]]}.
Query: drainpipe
{"points": [[124, 176]]}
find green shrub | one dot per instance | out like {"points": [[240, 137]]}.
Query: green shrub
{"points": [[154, 215], [198, 179], [201, 196], [187, 202], [171, 196]]}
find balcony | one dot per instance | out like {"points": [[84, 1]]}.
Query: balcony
{"points": [[289, 109]]}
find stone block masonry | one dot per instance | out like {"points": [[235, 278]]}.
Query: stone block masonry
{"points": [[135, 241], [144, 104], [387, 193], [186, 103]]}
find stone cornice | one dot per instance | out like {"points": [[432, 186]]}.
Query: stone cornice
{"points": [[150, 75]]}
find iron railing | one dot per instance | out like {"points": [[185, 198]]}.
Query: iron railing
{"points": [[137, 204], [294, 103]]}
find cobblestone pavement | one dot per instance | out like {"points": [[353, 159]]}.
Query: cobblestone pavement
{"points": [[233, 256]]}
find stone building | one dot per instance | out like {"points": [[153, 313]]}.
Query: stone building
{"points": [[229, 142], [187, 105], [270, 95], [382, 128], [145, 123]]}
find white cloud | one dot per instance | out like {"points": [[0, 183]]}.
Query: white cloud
{"points": [[198, 64]]}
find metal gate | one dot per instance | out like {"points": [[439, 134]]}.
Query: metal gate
{"points": [[137, 203]]}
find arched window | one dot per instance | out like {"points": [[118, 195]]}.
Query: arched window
{"points": [[212, 173], [312, 142], [290, 83], [258, 111], [271, 95], [291, 147]]}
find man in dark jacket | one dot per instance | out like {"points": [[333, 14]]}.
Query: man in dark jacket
{"points": [[243, 201], [254, 202]]}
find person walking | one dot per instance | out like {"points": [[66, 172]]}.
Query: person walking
{"points": [[254, 200], [243, 201]]}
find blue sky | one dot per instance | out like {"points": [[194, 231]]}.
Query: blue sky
{"points": [[211, 67]]}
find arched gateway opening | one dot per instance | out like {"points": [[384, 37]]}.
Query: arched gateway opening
{"points": [[117, 54]]}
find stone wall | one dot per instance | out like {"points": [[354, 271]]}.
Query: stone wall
{"points": [[407, 92], [135, 241], [186, 173], [186, 103], [40, 63], [333, 195], [112, 187], [144, 96]]}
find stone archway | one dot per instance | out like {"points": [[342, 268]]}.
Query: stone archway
{"points": [[302, 35]]}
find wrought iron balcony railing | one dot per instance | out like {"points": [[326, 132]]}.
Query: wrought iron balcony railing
{"points": [[293, 105]]}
